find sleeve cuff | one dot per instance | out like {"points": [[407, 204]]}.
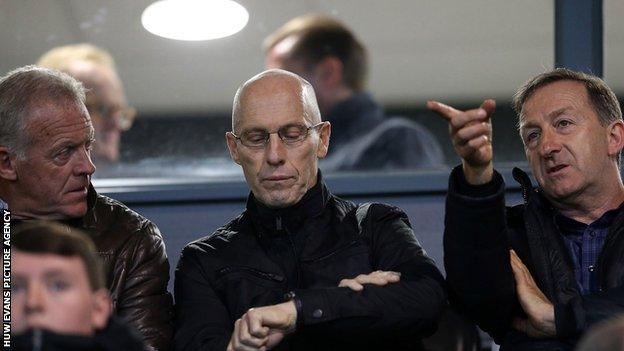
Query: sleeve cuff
{"points": [[312, 307], [566, 320], [462, 187]]}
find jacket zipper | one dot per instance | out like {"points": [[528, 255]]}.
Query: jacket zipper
{"points": [[278, 225]]}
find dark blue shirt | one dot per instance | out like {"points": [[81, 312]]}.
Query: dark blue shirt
{"points": [[584, 243]]}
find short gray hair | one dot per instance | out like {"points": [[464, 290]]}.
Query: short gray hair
{"points": [[24, 87], [601, 97]]}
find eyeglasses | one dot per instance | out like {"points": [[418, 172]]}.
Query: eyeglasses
{"points": [[123, 117], [290, 135]]}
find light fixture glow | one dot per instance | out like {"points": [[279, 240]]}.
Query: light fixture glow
{"points": [[194, 19]]}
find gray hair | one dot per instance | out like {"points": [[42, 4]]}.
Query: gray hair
{"points": [[601, 97], [24, 87], [308, 98]]}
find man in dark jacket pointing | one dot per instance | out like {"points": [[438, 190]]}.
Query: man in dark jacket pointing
{"points": [[300, 268], [565, 271]]}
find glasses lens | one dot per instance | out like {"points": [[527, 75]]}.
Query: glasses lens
{"points": [[256, 138], [293, 133]]}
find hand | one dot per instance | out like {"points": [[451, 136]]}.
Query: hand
{"points": [[376, 278], [471, 133], [540, 312], [263, 328]]}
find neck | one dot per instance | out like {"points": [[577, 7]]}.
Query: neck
{"points": [[332, 98], [588, 207]]}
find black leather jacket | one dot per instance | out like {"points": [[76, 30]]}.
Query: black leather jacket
{"points": [[135, 266], [480, 230], [308, 248]]}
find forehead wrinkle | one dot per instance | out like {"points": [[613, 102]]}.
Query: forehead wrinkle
{"points": [[45, 124], [523, 124]]}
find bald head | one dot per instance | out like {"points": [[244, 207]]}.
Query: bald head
{"points": [[272, 84]]}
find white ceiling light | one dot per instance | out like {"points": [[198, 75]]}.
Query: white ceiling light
{"points": [[194, 19]]}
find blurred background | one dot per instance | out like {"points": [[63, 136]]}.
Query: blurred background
{"points": [[459, 52], [174, 166]]}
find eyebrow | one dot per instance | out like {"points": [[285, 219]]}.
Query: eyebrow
{"points": [[65, 142], [260, 129], [550, 115], [51, 274], [56, 273]]}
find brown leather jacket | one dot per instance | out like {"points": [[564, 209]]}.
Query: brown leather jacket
{"points": [[135, 266]]}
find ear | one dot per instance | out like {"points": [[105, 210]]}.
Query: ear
{"points": [[329, 73], [7, 164], [102, 309], [232, 146], [324, 134], [615, 137]]}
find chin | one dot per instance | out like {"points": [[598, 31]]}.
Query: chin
{"points": [[563, 192], [75, 212], [279, 200], [279, 203]]}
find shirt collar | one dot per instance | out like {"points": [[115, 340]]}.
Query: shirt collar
{"points": [[569, 225]]}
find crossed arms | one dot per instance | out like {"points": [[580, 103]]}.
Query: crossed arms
{"points": [[365, 306]]}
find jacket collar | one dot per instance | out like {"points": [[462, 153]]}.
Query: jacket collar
{"points": [[278, 221], [530, 193], [525, 183]]}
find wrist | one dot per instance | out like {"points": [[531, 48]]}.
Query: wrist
{"points": [[478, 175], [547, 319], [289, 308]]}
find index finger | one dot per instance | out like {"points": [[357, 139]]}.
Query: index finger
{"points": [[445, 111]]}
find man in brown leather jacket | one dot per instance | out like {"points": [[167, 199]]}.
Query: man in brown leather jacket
{"points": [[45, 170]]}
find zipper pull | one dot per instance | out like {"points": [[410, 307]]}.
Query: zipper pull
{"points": [[37, 342], [278, 223]]}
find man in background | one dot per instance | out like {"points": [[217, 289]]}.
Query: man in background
{"points": [[327, 54], [106, 101]]}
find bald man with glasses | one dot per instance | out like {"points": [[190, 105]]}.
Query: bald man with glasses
{"points": [[301, 268]]}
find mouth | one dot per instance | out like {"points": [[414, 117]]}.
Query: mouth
{"points": [[277, 178], [79, 190], [555, 169]]}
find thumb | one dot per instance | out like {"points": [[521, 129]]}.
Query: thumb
{"points": [[281, 316]]}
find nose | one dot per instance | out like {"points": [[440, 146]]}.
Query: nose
{"points": [[275, 150], [84, 165], [34, 299], [549, 143]]}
